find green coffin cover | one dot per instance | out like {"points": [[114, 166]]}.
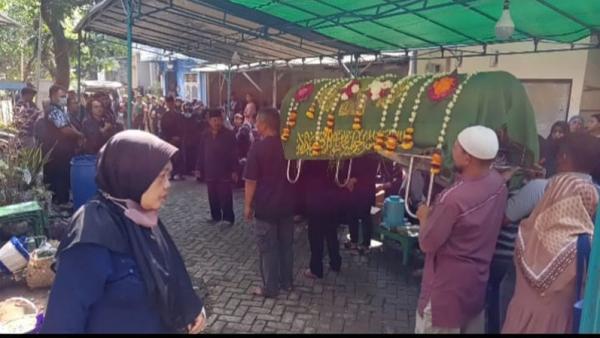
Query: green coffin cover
{"points": [[494, 99]]}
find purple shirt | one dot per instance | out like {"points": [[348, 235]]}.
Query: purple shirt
{"points": [[459, 239]]}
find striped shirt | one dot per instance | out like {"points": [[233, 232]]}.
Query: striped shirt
{"points": [[518, 207]]}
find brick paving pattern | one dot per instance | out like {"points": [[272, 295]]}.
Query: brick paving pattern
{"points": [[373, 294]]}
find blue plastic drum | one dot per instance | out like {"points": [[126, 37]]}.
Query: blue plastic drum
{"points": [[83, 179]]}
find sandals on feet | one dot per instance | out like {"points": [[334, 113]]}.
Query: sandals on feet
{"points": [[260, 292], [309, 274]]}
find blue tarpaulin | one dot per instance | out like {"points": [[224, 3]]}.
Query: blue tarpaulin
{"points": [[12, 85]]}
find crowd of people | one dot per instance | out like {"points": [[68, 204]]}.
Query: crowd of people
{"points": [[70, 126], [495, 260]]}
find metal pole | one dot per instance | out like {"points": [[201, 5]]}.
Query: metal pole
{"points": [[129, 11], [412, 69], [79, 74], [274, 86], [228, 109], [38, 71]]}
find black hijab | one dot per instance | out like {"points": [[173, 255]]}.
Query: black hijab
{"points": [[127, 166], [551, 147]]}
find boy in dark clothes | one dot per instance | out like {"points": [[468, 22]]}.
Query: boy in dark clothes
{"points": [[218, 158]]}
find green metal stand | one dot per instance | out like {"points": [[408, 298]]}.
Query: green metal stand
{"points": [[405, 239], [30, 212]]}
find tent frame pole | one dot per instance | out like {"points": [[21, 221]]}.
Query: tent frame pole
{"points": [[128, 6], [79, 74], [228, 79]]}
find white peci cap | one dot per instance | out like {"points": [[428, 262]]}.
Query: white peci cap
{"points": [[480, 142]]}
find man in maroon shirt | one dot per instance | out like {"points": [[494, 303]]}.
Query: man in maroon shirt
{"points": [[458, 236]]}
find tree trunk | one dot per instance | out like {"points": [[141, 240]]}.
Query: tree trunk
{"points": [[61, 44]]}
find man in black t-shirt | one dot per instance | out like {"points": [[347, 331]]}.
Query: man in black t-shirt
{"points": [[269, 199]]}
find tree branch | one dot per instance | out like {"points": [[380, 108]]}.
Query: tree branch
{"points": [[61, 43]]}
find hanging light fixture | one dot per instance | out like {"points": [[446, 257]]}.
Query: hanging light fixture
{"points": [[235, 58], [505, 27]]}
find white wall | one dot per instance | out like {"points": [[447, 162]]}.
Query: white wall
{"points": [[590, 101], [555, 65]]}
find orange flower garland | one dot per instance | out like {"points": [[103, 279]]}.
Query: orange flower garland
{"points": [[407, 141], [302, 94], [380, 139], [310, 112], [358, 114], [316, 147], [436, 162]]}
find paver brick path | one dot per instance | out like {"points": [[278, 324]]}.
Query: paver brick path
{"points": [[373, 294]]}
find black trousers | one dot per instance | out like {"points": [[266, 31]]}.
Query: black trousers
{"points": [[275, 240], [500, 289], [191, 157], [323, 230], [178, 164], [57, 174], [220, 198], [362, 214]]}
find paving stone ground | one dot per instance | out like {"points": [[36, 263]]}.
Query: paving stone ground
{"points": [[372, 294]]}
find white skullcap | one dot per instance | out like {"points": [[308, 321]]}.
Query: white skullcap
{"points": [[480, 142]]}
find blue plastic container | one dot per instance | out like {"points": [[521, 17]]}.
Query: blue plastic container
{"points": [[83, 179], [393, 212]]}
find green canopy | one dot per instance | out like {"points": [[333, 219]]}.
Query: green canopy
{"points": [[381, 25]]}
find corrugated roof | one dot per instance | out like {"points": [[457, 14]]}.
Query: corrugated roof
{"points": [[212, 30]]}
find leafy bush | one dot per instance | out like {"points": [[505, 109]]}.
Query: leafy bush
{"points": [[21, 174]]}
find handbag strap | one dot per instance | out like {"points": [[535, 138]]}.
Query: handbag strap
{"points": [[584, 248]]}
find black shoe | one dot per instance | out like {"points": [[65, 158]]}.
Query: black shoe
{"points": [[363, 250]]}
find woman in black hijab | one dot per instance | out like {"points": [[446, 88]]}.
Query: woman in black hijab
{"points": [[559, 130], [97, 127], [118, 271]]}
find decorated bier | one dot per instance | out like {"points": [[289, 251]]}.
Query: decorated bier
{"points": [[413, 120]]}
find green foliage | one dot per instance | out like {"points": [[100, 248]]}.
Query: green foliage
{"points": [[97, 52], [22, 40], [21, 175]]}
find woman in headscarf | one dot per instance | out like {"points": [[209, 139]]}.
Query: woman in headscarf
{"points": [[97, 127], [576, 124], [118, 270], [546, 244], [558, 131]]}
